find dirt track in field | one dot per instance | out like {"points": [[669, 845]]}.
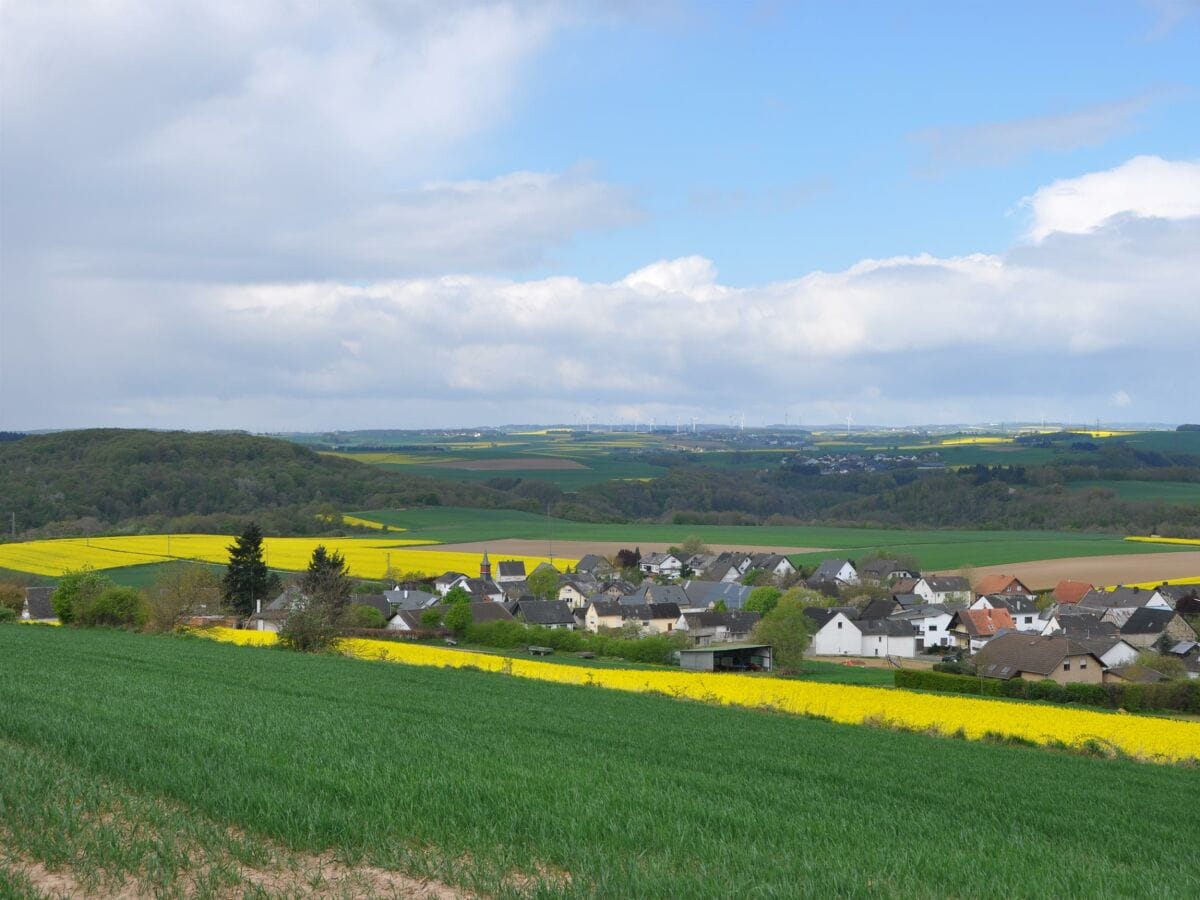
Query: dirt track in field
{"points": [[1098, 570], [577, 549], [523, 463]]}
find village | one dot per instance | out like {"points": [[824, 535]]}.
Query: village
{"points": [[881, 613]]}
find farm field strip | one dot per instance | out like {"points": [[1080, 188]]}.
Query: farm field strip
{"points": [[936, 550], [1156, 740], [474, 779], [365, 557]]}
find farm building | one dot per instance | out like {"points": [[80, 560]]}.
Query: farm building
{"points": [[727, 658]]}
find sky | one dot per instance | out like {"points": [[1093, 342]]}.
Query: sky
{"points": [[295, 215]]}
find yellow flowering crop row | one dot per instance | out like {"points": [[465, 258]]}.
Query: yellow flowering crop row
{"points": [[399, 459], [976, 439], [365, 557], [1188, 542], [1160, 740]]}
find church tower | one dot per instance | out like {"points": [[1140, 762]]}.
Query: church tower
{"points": [[485, 566]]}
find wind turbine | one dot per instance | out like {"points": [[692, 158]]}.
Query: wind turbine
{"points": [[849, 419]]}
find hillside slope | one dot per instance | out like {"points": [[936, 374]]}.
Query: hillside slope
{"points": [[78, 481]]}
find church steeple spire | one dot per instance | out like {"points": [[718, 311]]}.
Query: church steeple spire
{"points": [[485, 566]]}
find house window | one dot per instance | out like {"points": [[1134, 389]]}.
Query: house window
{"points": [[1029, 620], [670, 625], [1083, 663], [839, 624], [931, 627], [1067, 666]]}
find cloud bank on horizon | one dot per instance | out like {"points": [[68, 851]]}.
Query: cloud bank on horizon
{"points": [[284, 218]]}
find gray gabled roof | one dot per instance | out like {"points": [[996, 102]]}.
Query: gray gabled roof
{"points": [[544, 612], [1014, 603], [734, 620], [406, 599], [1117, 598], [889, 627], [1148, 621], [511, 567], [942, 584], [706, 593], [829, 568], [592, 562]]}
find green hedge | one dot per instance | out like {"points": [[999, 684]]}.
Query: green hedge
{"points": [[1183, 695], [658, 648]]}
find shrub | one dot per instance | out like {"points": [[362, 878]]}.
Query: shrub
{"points": [[12, 597], [308, 630], [362, 615], [76, 590], [6, 614], [119, 607]]}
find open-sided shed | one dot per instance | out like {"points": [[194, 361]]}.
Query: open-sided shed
{"points": [[727, 658]]}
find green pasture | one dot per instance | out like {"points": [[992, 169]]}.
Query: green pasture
{"points": [[181, 767], [1174, 492]]}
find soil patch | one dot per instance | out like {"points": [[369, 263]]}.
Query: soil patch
{"points": [[578, 549], [520, 463], [1098, 570]]}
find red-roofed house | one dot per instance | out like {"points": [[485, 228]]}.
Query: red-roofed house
{"points": [[972, 628], [1001, 584], [1071, 592]]}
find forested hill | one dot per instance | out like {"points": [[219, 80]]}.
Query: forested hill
{"points": [[78, 481]]}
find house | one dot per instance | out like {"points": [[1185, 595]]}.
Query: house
{"points": [[655, 618], [482, 589], [834, 571], [272, 616], [1002, 584], [510, 570], [665, 564], [971, 629], [706, 594], [711, 627], [38, 606], [403, 598], [596, 566], [834, 633], [913, 587], [774, 564], [948, 589], [1071, 592], [1185, 599], [1148, 628], [1035, 658], [886, 637], [1134, 675], [1023, 608], [884, 571], [444, 582], [649, 592], [880, 609], [1188, 652], [930, 623], [407, 620], [1112, 650], [727, 567], [575, 589], [543, 613], [1120, 603]]}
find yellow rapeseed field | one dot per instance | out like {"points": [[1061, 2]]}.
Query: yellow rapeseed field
{"points": [[1188, 542], [365, 557], [1158, 740], [976, 439]]}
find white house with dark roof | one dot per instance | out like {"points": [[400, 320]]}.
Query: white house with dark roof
{"points": [[835, 571], [665, 564], [835, 634], [510, 570]]}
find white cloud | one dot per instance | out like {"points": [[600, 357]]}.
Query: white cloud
{"points": [[1146, 186], [275, 140], [1001, 142], [978, 337]]}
